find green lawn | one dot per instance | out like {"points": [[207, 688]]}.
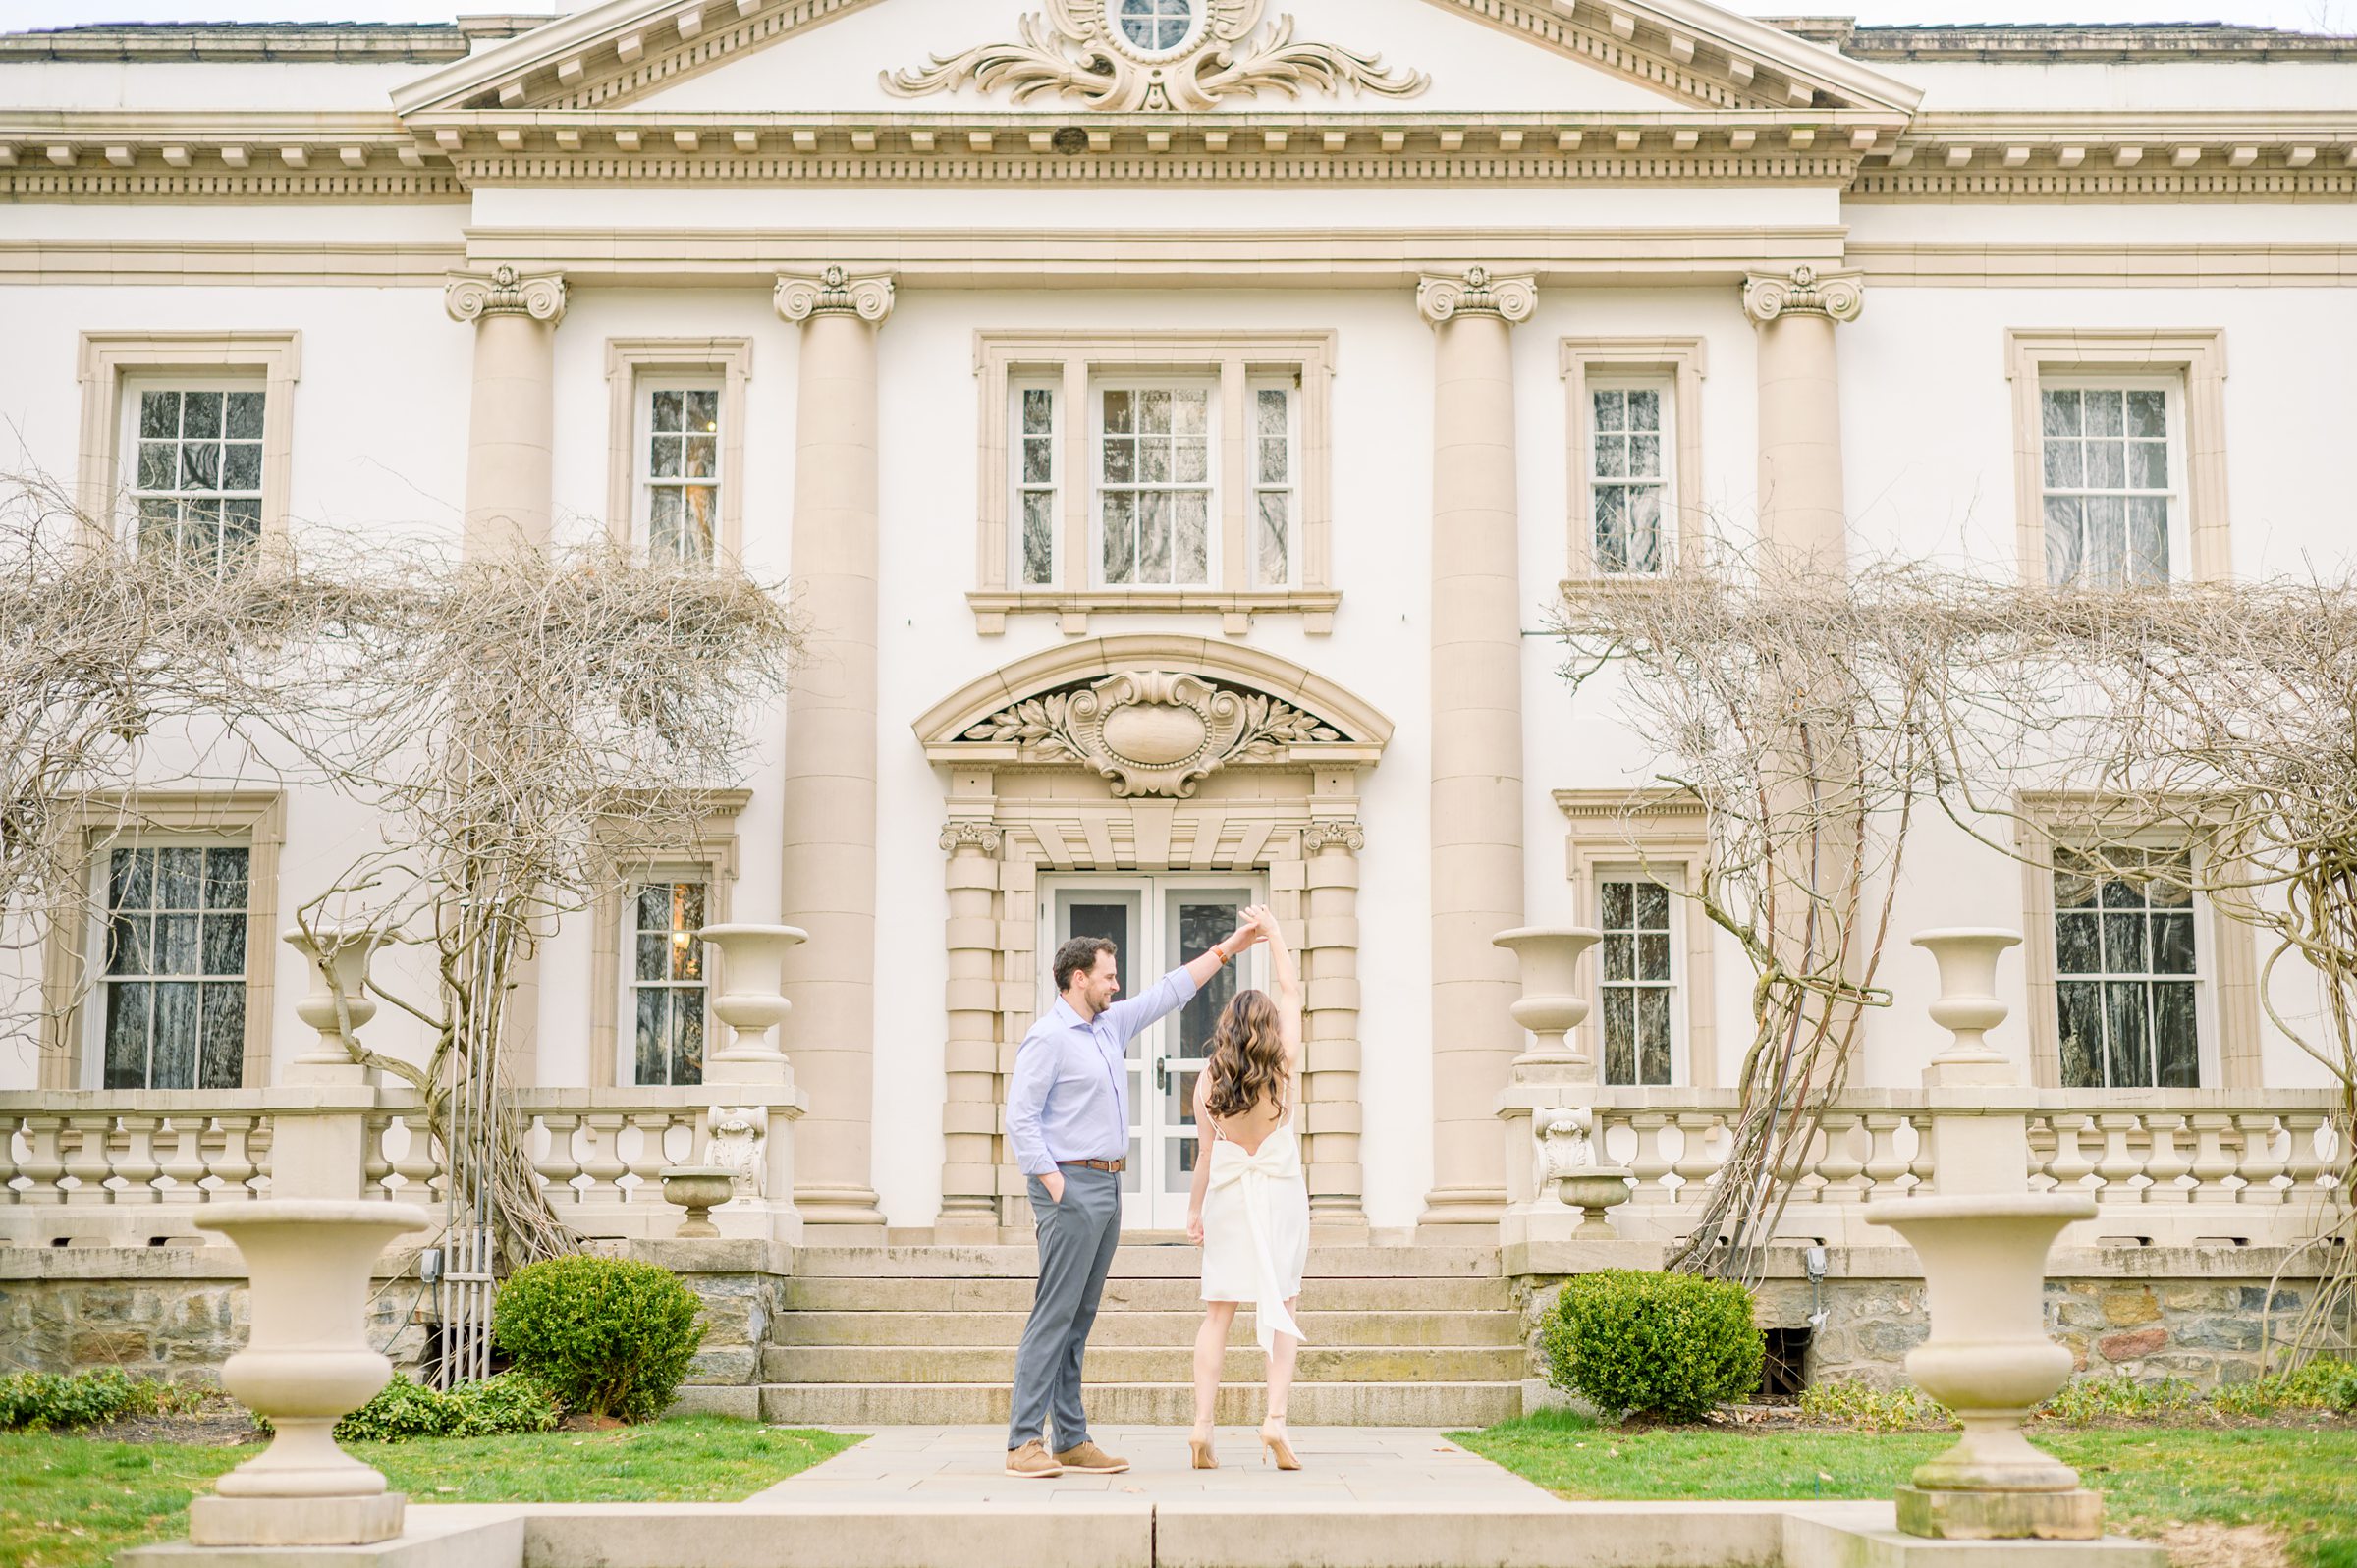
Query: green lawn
{"points": [[68, 1502], [2300, 1482]]}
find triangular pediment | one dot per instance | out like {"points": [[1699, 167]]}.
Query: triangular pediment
{"points": [[1062, 59]]}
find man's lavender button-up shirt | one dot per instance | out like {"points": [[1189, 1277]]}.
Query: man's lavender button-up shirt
{"points": [[1069, 1098]]}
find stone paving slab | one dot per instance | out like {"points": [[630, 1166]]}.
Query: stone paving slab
{"points": [[1341, 1466]]}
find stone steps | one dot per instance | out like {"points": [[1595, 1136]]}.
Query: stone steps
{"points": [[1449, 1405], [1152, 1329], [1422, 1336], [1130, 1364]]}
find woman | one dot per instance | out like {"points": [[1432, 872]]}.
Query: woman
{"points": [[1250, 1208]]}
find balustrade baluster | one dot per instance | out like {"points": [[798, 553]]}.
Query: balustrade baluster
{"points": [[2070, 1167], [2118, 1165], [2167, 1161], [1883, 1162], [375, 1163], [602, 1160], [87, 1158], [1696, 1160], [2264, 1159], [2213, 1158], [230, 1161], [263, 1143], [185, 1164], [560, 1165], [1842, 1171], [2040, 1173], [646, 1168], [417, 1166], [1920, 1163], [9, 1166], [132, 1155], [43, 1163], [2307, 1165]]}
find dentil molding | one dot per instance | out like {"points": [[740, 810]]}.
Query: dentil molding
{"points": [[1477, 293], [1804, 291], [1181, 55], [835, 292], [1153, 732], [505, 293]]}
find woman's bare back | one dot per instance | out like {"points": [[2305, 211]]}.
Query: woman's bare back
{"points": [[1249, 1129]]}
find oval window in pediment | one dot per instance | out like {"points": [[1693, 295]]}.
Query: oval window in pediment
{"points": [[1154, 26]]}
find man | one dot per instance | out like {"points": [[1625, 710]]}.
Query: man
{"points": [[1068, 1119]]}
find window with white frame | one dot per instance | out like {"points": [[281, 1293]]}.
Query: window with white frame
{"points": [[667, 980], [196, 467], [1628, 474], [679, 485], [1276, 485], [1038, 478], [1639, 978], [1154, 482], [2125, 968], [2112, 478], [170, 1009]]}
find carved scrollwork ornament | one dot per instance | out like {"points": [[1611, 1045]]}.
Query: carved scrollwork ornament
{"points": [[505, 293], [1479, 293], [982, 836], [1323, 836], [1153, 732], [1185, 60], [835, 292], [1804, 291]]}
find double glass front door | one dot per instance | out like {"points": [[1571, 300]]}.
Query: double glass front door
{"points": [[1155, 924]]}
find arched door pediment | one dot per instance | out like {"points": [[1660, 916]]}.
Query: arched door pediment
{"points": [[1153, 715]]}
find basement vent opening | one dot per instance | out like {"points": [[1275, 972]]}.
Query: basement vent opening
{"points": [[1785, 1370]]}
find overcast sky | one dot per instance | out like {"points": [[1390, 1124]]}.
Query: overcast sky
{"points": [[2337, 16]]}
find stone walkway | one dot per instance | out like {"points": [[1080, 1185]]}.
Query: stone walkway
{"points": [[1384, 1465]]}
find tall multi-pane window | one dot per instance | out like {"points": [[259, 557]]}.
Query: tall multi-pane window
{"points": [[1037, 483], [173, 987], [1276, 486], [2109, 481], [1628, 482], [1154, 485], [1638, 982], [2124, 968], [198, 481], [667, 982], [681, 482]]}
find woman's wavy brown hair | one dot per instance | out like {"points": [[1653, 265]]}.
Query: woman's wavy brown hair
{"points": [[1247, 1057]]}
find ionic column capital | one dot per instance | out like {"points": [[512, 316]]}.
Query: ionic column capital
{"points": [[470, 296], [982, 836], [1441, 298], [1804, 291], [835, 292], [1321, 836]]}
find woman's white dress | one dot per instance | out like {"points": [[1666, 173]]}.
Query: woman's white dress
{"points": [[1256, 1229]]}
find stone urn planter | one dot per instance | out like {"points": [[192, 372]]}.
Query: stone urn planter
{"points": [[1551, 1005], [1968, 1006], [306, 1366], [698, 1189], [1989, 1360], [751, 999], [337, 959]]}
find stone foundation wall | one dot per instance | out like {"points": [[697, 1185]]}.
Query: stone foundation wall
{"points": [[2201, 1314]]}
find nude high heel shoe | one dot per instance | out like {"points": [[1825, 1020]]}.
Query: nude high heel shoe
{"points": [[1274, 1446], [1199, 1454]]}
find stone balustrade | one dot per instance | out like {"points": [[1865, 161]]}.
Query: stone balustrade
{"points": [[2168, 1167], [133, 1167]]}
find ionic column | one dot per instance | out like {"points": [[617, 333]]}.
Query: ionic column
{"points": [[512, 418], [1803, 517], [511, 476], [1476, 734], [1330, 1028], [970, 1112], [829, 798]]}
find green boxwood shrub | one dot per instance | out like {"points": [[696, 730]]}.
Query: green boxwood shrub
{"points": [[511, 1402], [39, 1399], [610, 1336], [1670, 1345]]}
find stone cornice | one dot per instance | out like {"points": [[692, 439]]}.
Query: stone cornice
{"points": [[2000, 44]]}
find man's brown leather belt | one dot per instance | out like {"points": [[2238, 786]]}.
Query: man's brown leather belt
{"points": [[1113, 1166]]}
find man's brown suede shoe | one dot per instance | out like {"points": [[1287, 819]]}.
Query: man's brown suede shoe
{"points": [[1031, 1461], [1091, 1460]]}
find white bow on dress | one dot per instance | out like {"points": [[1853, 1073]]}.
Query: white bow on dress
{"points": [[1279, 1159]]}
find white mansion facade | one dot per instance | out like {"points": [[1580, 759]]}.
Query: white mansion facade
{"points": [[1176, 418]]}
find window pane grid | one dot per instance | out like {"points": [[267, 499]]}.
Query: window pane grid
{"points": [[1156, 25], [667, 982], [198, 484], [1627, 481], [2105, 454], [174, 980], [1036, 484], [1637, 981], [2125, 969], [1273, 487], [1155, 482], [683, 475]]}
